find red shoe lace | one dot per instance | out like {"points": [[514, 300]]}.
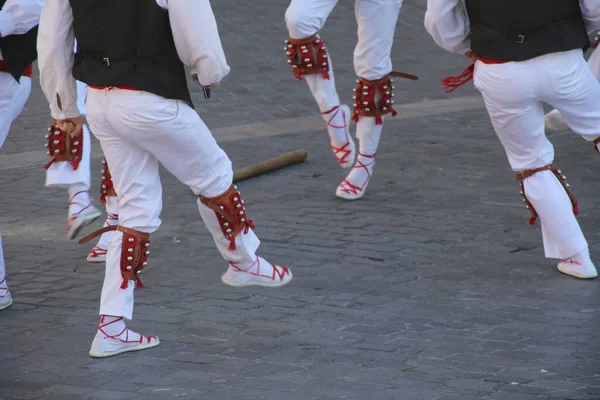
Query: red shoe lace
{"points": [[569, 261], [349, 187], [97, 251], [75, 215], [5, 288], [125, 331], [280, 274], [345, 153]]}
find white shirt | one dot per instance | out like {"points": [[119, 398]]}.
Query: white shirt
{"points": [[194, 31], [19, 16], [448, 23]]}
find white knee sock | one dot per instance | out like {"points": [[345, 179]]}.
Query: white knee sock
{"points": [[79, 198], [325, 93]]}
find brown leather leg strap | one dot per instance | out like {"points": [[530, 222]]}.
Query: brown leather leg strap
{"points": [[231, 214], [526, 174], [98, 233], [561, 178], [404, 75], [134, 255]]}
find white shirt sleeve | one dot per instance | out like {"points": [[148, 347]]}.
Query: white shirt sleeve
{"points": [[19, 16], [591, 14], [447, 22], [197, 38], [55, 46]]}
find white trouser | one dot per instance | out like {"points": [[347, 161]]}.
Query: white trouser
{"points": [[13, 96], [513, 94], [376, 25], [62, 174], [137, 130]]}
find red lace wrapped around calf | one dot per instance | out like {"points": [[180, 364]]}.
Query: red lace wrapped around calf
{"points": [[307, 56], [231, 214], [106, 187], [62, 147], [373, 99]]}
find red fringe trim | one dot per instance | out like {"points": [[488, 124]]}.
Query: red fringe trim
{"points": [[50, 163], [575, 209], [532, 220], [125, 283], [452, 83]]}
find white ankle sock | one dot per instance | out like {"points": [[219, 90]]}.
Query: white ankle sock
{"points": [[79, 198], [582, 256], [337, 123], [114, 327], [358, 176]]}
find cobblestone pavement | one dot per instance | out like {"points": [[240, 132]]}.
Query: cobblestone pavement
{"points": [[431, 287]]}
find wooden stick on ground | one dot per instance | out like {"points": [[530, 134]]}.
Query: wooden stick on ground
{"points": [[273, 164]]}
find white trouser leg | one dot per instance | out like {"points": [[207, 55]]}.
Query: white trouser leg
{"points": [[61, 174], [13, 96], [376, 25], [512, 94], [305, 18], [136, 179], [575, 93]]}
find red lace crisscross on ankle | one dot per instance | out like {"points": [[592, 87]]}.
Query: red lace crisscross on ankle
{"points": [[3, 286], [97, 251], [124, 331], [75, 215], [349, 187], [569, 261], [341, 153], [112, 217], [276, 272]]}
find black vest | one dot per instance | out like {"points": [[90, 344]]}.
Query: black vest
{"points": [[518, 30], [129, 43], [19, 51]]}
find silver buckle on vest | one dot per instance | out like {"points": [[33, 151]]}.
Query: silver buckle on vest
{"points": [[106, 62], [520, 38]]}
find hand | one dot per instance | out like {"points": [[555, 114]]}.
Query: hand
{"points": [[212, 85], [470, 56], [71, 126]]}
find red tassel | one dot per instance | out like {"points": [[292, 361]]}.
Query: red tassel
{"points": [[575, 209], [532, 220], [232, 244], [298, 74], [103, 199], [355, 116], [75, 163], [394, 113], [139, 283], [50, 163], [378, 120], [452, 83], [325, 74], [125, 283]]}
